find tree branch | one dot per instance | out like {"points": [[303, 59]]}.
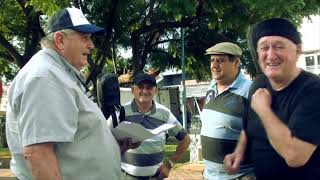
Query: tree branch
{"points": [[148, 46], [11, 50], [150, 12], [6, 56], [76, 3], [188, 22], [164, 41], [22, 4]]}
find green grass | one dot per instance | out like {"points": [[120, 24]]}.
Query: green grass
{"points": [[170, 149], [4, 153]]}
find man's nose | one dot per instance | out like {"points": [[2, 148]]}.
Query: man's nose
{"points": [[215, 64], [90, 44], [271, 53]]}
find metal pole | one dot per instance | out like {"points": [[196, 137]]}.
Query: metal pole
{"points": [[184, 112]]}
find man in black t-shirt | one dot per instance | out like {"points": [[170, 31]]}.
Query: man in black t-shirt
{"points": [[282, 124]]}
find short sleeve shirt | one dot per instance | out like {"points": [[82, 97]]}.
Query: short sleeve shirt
{"points": [[296, 106], [147, 158], [47, 103]]}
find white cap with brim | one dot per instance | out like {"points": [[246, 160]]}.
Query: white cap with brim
{"points": [[73, 18]]}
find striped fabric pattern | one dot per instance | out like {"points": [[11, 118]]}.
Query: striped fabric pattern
{"points": [[222, 123], [147, 158]]}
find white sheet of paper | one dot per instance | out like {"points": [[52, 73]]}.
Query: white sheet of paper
{"points": [[137, 132]]}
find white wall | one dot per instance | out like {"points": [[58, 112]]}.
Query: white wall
{"points": [[3, 100], [310, 31], [310, 34]]}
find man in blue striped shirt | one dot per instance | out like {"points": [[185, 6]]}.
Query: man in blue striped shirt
{"points": [[222, 115]]}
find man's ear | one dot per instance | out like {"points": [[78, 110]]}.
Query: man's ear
{"points": [[299, 49], [132, 89], [58, 38], [237, 62]]}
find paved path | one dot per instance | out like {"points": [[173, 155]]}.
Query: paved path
{"points": [[185, 172], [6, 174]]}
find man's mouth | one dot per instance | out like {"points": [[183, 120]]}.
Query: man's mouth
{"points": [[273, 64]]}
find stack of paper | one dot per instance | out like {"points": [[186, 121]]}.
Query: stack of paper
{"points": [[137, 132]]}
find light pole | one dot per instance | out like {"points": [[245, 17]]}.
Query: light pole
{"points": [[184, 111]]}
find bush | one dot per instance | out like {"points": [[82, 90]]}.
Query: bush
{"points": [[3, 140]]}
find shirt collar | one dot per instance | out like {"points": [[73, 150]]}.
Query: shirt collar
{"points": [[235, 84], [64, 63], [72, 71]]}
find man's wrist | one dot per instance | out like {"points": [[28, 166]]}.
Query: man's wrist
{"points": [[171, 163]]}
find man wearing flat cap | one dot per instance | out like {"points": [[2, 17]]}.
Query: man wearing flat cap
{"points": [[147, 161], [223, 112], [54, 131], [282, 125]]}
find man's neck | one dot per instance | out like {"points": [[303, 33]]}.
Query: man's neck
{"points": [[221, 88], [144, 107], [223, 85], [281, 84]]}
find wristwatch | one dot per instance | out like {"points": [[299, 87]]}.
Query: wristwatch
{"points": [[171, 163]]}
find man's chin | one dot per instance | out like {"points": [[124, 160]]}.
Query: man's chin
{"points": [[217, 77]]}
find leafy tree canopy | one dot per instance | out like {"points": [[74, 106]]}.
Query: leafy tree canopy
{"points": [[150, 28]]}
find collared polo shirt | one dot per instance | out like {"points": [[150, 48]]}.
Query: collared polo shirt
{"points": [[147, 158], [221, 125], [47, 103]]}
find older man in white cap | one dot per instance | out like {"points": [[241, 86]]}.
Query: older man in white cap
{"points": [[54, 131], [222, 114], [282, 125]]}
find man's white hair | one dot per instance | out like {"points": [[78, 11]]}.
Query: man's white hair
{"points": [[48, 40]]}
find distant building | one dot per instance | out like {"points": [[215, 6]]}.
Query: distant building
{"points": [[310, 61], [310, 58], [195, 91], [3, 101]]}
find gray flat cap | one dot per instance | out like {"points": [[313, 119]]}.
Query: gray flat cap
{"points": [[224, 48]]}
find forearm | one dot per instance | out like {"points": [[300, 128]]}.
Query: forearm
{"points": [[232, 161], [295, 151], [242, 144], [181, 148], [42, 161]]}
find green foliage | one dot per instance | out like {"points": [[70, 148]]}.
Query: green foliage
{"points": [[5, 153], [170, 150], [152, 29], [227, 21], [48, 7], [11, 21], [7, 71]]}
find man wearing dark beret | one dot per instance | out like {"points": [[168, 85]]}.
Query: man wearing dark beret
{"points": [[282, 124]]}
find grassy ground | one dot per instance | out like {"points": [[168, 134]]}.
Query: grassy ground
{"points": [[169, 151], [4, 153], [170, 148]]}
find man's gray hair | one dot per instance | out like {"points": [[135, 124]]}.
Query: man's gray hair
{"points": [[48, 40]]}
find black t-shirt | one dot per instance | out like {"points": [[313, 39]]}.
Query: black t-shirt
{"points": [[296, 106]]}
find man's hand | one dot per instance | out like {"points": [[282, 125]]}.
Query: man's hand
{"points": [[261, 99], [232, 163], [127, 143], [164, 171]]}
